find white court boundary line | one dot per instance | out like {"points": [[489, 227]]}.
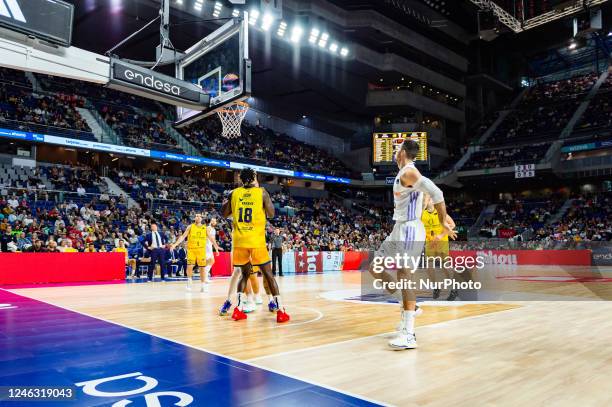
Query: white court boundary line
{"points": [[436, 324], [246, 362]]}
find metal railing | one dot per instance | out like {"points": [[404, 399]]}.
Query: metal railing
{"points": [[183, 143], [108, 131], [61, 196], [46, 129], [159, 203]]}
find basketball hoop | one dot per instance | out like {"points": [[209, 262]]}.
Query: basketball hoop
{"points": [[231, 117]]}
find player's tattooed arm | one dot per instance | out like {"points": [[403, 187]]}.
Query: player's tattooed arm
{"points": [[267, 204], [226, 207]]}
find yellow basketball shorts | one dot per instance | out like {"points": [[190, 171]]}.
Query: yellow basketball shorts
{"points": [[257, 257], [436, 248], [196, 256]]}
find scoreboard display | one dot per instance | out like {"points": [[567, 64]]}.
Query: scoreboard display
{"points": [[385, 145]]}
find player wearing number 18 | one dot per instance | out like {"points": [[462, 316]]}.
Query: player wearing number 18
{"points": [[248, 206]]}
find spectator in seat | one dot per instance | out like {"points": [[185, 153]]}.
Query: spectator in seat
{"points": [[13, 202], [172, 260], [23, 242], [6, 238], [52, 247], [90, 248], [67, 246], [37, 247], [182, 257], [142, 258], [129, 263]]}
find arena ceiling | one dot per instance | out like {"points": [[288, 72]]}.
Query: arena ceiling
{"points": [[318, 85], [313, 83], [323, 84]]}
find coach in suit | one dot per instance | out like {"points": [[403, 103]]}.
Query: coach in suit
{"points": [[155, 242]]}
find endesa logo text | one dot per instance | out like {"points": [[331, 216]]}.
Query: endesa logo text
{"points": [[150, 81]]}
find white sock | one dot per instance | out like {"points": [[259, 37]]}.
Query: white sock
{"points": [[233, 285], [270, 298], [277, 298], [408, 320], [206, 271], [241, 300], [251, 297]]}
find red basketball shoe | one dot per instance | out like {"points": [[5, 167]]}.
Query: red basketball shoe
{"points": [[238, 315], [282, 316]]}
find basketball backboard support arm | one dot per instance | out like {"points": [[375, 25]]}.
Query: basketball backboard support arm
{"points": [[220, 65], [22, 52]]}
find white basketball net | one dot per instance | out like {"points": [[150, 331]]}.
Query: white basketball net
{"points": [[231, 117]]}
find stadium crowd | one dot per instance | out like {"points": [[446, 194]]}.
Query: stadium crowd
{"points": [[588, 219], [261, 146], [515, 215], [141, 123], [22, 109], [49, 220], [528, 154], [544, 111], [79, 209]]}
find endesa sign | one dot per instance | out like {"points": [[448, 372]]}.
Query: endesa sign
{"points": [[145, 82]]}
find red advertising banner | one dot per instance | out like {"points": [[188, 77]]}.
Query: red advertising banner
{"points": [[306, 262], [37, 268], [530, 257], [355, 261], [222, 266], [506, 233], [318, 262]]}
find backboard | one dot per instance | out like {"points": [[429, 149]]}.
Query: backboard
{"points": [[220, 65]]}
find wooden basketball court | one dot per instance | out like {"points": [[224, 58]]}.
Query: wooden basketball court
{"points": [[480, 353]]}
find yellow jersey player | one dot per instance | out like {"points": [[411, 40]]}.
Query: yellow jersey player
{"points": [[249, 205], [197, 237], [436, 243]]}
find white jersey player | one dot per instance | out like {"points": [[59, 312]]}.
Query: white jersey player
{"points": [[408, 235], [211, 244], [212, 237]]}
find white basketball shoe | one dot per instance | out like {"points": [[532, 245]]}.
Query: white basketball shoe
{"points": [[403, 340], [249, 306]]}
